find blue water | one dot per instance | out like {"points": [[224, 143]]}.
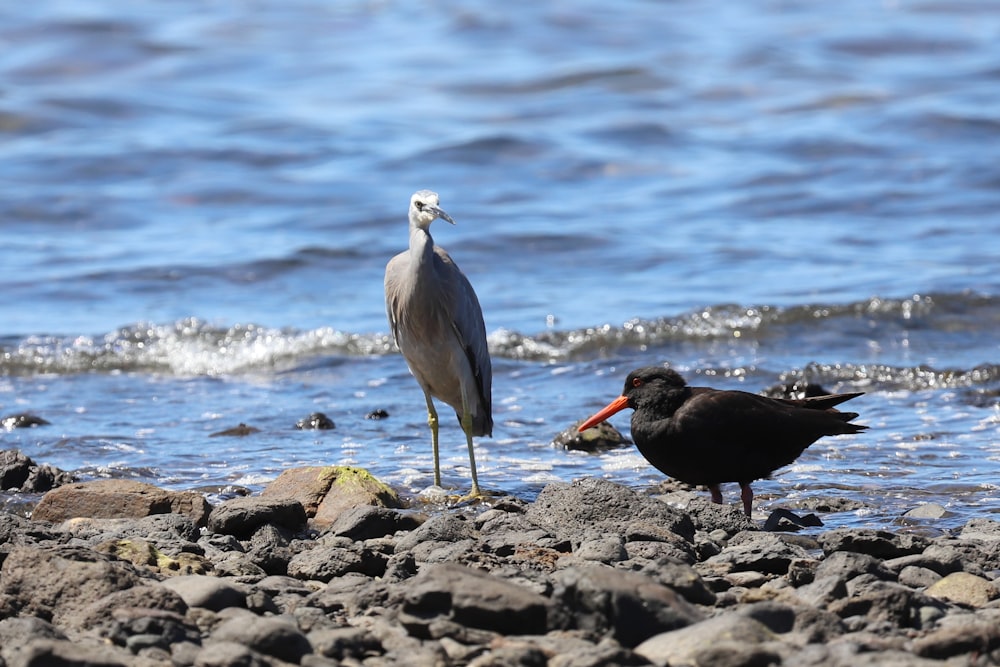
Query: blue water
{"points": [[199, 202]]}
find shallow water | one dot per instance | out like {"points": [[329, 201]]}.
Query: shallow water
{"points": [[200, 201]]}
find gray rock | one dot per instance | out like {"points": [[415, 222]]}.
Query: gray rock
{"points": [[709, 516], [627, 606], [269, 549], [353, 594], [242, 516], [367, 521], [983, 530], [271, 636], [56, 583], [975, 637], [344, 642], [684, 646], [846, 565], [474, 599], [328, 563], [593, 504], [18, 471], [775, 616], [937, 557], [927, 511], [677, 576], [606, 548], [878, 543], [144, 628], [822, 591], [759, 552], [918, 577], [880, 601], [18, 632], [148, 598], [207, 592], [64, 653], [441, 539], [230, 654]]}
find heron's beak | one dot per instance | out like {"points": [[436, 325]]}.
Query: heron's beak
{"points": [[439, 213], [616, 405]]}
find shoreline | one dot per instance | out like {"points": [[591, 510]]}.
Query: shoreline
{"points": [[326, 571]]}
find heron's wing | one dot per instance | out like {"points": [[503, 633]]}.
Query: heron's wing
{"points": [[394, 271], [467, 323]]}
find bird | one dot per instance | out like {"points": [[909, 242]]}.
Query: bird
{"points": [[437, 324], [706, 436]]}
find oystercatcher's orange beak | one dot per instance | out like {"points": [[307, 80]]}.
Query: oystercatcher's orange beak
{"points": [[616, 405]]}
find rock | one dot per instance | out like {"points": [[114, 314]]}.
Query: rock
{"points": [[706, 642], [594, 504], [53, 652], [326, 492], [598, 438], [474, 599], [441, 538], [880, 601], [878, 543], [964, 589], [317, 421], [757, 551], [271, 636], [207, 592], [627, 606], [343, 642], [918, 577], [18, 471], [241, 430], [231, 654], [845, 565], [927, 511], [974, 638], [23, 420], [984, 530], [55, 583], [240, 517], [143, 600], [775, 616], [118, 498], [709, 516], [366, 521], [330, 562]]}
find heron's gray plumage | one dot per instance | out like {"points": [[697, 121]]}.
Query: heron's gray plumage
{"points": [[437, 322]]}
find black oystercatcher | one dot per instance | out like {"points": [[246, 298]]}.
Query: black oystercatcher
{"points": [[708, 436]]}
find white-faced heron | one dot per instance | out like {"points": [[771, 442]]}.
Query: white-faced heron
{"points": [[437, 323]]}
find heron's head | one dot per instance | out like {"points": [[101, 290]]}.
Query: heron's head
{"points": [[424, 209]]}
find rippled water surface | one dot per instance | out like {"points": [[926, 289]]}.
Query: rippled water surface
{"points": [[199, 202]]}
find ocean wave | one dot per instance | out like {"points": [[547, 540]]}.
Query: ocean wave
{"points": [[195, 347]]}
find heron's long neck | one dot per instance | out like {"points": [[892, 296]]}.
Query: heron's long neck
{"points": [[421, 248]]}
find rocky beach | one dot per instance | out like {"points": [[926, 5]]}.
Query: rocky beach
{"points": [[327, 567]]}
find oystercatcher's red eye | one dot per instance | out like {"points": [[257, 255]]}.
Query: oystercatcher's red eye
{"points": [[636, 382]]}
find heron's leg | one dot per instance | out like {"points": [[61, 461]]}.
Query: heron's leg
{"points": [[432, 421], [467, 427], [747, 496], [716, 493]]}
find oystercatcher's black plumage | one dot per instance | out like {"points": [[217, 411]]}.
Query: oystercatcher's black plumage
{"points": [[708, 436]]}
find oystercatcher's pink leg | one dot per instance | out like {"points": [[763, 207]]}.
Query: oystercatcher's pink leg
{"points": [[747, 496]]}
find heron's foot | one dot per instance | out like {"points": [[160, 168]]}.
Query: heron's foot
{"points": [[478, 495]]}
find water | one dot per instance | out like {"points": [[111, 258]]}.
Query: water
{"points": [[199, 202]]}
